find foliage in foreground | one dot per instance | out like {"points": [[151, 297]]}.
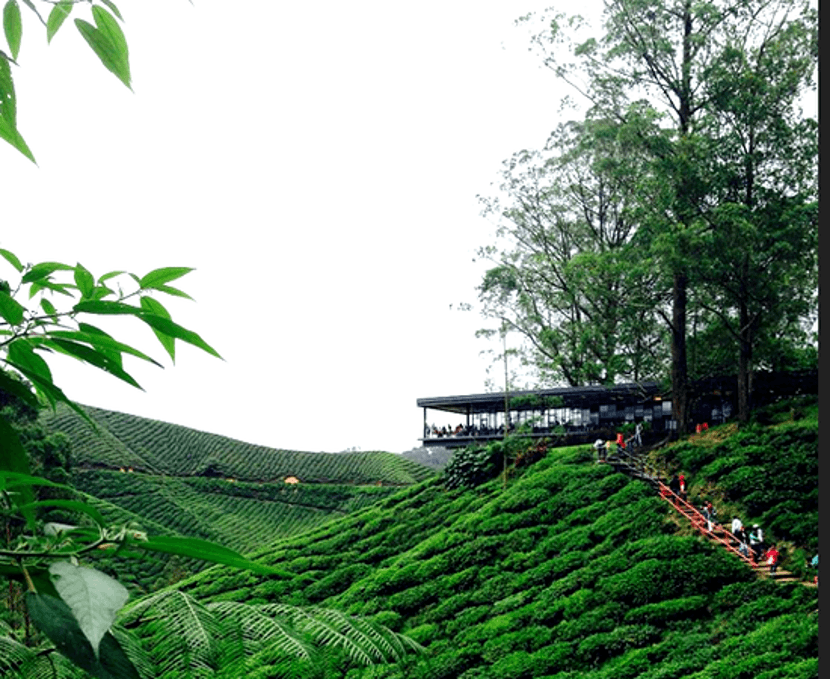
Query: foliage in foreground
{"points": [[65, 621]]}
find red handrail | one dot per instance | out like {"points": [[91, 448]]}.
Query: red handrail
{"points": [[699, 521]]}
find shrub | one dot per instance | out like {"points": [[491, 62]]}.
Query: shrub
{"points": [[472, 466]]}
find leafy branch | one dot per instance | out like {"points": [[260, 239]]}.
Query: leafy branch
{"points": [[103, 35]]}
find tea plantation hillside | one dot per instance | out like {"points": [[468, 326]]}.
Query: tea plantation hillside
{"points": [[572, 569], [156, 447], [171, 480]]}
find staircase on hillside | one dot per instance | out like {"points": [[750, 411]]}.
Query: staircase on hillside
{"points": [[634, 465]]}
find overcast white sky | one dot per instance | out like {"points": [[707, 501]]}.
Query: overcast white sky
{"points": [[318, 164]]}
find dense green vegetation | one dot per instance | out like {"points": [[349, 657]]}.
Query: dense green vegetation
{"points": [[172, 480], [572, 570]]}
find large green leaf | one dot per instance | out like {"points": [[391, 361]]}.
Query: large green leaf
{"points": [[12, 26], [43, 270], [94, 598], [101, 341], [21, 353], [56, 18], [206, 551], [18, 389], [8, 110], [157, 308], [10, 257], [159, 277], [84, 280], [55, 619], [13, 459], [107, 41], [10, 309], [71, 505], [92, 357], [156, 322], [171, 329]]}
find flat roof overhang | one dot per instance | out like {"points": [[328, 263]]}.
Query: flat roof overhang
{"points": [[572, 397]]}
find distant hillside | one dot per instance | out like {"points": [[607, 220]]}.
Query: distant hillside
{"points": [[573, 570], [161, 448], [172, 480]]}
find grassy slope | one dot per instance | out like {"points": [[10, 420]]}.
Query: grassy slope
{"points": [[155, 447], [572, 571], [203, 485]]}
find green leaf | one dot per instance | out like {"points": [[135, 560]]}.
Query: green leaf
{"points": [[10, 309], [21, 353], [90, 356], [161, 276], [13, 26], [114, 9], [174, 292], [102, 341], [8, 110], [11, 258], [163, 325], [94, 598], [71, 505], [111, 274], [157, 308], [41, 271], [56, 620], [84, 280], [205, 551], [168, 327], [56, 18], [17, 388], [49, 308], [13, 458], [9, 479], [106, 308], [107, 41]]}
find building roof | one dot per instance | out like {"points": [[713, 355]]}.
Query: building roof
{"points": [[572, 397]]}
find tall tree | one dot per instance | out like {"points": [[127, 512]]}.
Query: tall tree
{"points": [[571, 280], [663, 53], [760, 275]]}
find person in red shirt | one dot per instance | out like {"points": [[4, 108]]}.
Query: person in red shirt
{"points": [[771, 557]]}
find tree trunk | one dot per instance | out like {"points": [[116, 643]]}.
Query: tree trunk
{"points": [[679, 374], [744, 360]]}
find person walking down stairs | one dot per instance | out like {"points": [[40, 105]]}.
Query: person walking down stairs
{"points": [[771, 557]]}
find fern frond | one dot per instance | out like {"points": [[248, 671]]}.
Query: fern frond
{"points": [[18, 661], [258, 629], [179, 633]]}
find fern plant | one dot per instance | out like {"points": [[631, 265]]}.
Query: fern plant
{"points": [[172, 635]]}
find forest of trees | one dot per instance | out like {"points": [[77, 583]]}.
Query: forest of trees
{"points": [[671, 232]]}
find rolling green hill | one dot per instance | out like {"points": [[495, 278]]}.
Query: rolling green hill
{"points": [[172, 480], [572, 569], [155, 447]]}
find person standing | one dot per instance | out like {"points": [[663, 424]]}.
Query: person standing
{"points": [[682, 480], [638, 435], [599, 446], [756, 541], [736, 526], [771, 557]]}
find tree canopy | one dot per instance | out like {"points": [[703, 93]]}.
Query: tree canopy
{"points": [[689, 189]]}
